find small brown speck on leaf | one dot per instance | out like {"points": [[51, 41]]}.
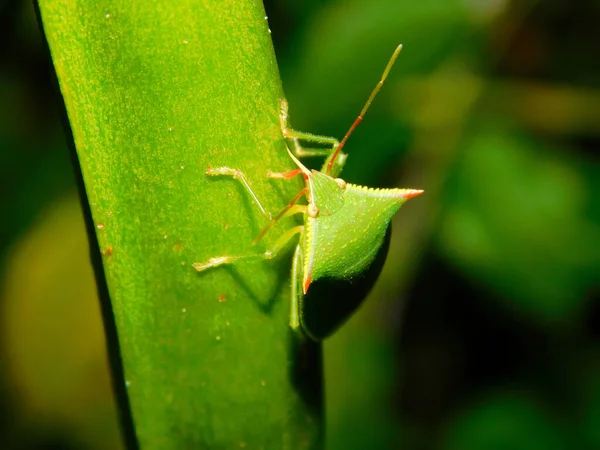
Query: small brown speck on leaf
{"points": [[107, 253]]}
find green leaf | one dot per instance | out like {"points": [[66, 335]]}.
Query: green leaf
{"points": [[155, 93]]}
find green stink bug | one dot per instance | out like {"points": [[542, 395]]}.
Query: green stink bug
{"points": [[344, 227]]}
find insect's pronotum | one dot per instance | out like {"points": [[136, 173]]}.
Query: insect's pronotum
{"points": [[344, 224]]}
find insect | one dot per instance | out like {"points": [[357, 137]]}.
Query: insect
{"points": [[344, 225]]}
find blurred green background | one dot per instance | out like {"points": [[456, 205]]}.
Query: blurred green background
{"points": [[483, 331]]}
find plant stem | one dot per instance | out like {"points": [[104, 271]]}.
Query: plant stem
{"points": [[156, 92]]}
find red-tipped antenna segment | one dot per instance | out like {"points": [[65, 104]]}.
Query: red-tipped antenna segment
{"points": [[366, 107]]}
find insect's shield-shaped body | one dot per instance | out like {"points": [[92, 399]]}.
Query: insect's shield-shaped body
{"points": [[342, 241], [341, 244]]}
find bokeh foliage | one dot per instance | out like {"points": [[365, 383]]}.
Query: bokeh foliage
{"points": [[484, 326]]}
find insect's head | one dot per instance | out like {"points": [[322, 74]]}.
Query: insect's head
{"points": [[337, 154]]}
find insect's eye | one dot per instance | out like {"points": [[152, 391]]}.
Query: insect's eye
{"points": [[313, 211], [341, 183]]}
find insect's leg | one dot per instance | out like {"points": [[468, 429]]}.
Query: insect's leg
{"points": [[335, 160], [309, 137], [239, 175], [328, 153], [294, 300], [290, 209], [283, 240], [223, 260], [296, 136], [284, 175], [269, 254]]}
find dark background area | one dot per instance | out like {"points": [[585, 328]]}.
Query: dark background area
{"points": [[484, 329]]}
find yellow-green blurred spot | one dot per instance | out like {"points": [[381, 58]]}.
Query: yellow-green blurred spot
{"points": [[53, 336]]}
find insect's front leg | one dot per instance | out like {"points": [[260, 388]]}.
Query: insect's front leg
{"points": [[331, 144], [297, 136], [239, 175], [303, 152]]}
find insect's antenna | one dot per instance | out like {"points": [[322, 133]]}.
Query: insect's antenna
{"points": [[366, 107]]}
